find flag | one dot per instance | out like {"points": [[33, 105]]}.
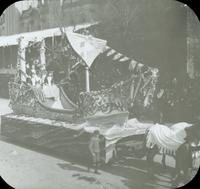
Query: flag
{"points": [[117, 56], [132, 65], [124, 59], [112, 51]]}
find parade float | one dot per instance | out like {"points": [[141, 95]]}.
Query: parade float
{"points": [[43, 113]]}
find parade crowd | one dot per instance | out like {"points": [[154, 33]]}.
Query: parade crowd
{"points": [[177, 100], [186, 95]]}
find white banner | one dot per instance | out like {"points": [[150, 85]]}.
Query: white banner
{"points": [[87, 47]]}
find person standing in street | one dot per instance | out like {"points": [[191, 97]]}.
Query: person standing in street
{"points": [[94, 147]]}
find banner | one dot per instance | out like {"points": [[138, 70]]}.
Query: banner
{"points": [[87, 47]]}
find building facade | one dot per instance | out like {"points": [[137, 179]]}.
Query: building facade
{"points": [[9, 21], [184, 45], [33, 15]]}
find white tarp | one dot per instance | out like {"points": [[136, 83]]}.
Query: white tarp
{"points": [[87, 47], [116, 132], [113, 133]]}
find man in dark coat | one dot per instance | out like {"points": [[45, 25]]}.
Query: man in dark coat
{"points": [[183, 162]]}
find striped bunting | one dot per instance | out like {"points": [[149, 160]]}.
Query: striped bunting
{"points": [[109, 53], [106, 48], [117, 56], [140, 65], [124, 59], [132, 65], [121, 58]]}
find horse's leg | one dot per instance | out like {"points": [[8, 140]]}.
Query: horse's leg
{"points": [[150, 156], [149, 161], [174, 173]]}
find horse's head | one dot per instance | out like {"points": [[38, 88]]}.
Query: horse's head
{"points": [[193, 133]]}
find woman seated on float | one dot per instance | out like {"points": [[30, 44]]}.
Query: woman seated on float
{"points": [[37, 85], [32, 77], [50, 89], [52, 92]]}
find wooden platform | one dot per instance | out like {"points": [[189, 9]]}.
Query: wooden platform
{"points": [[60, 137]]}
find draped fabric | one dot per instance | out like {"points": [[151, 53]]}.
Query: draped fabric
{"points": [[51, 91], [115, 132], [87, 47], [167, 139]]}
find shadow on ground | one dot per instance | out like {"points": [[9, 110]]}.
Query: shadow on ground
{"points": [[133, 172]]}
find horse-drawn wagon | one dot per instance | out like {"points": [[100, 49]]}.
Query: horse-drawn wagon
{"points": [[36, 100]]}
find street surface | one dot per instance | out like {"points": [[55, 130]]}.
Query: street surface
{"points": [[25, 167]]}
